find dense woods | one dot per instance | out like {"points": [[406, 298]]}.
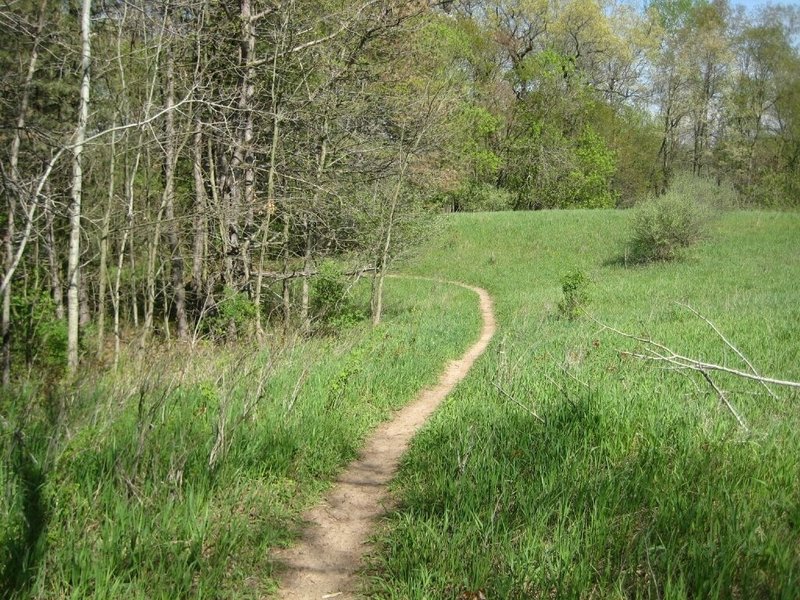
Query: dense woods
{"points": [[170, 165]]}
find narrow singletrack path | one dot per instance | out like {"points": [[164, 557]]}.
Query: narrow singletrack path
{"points": [[324, 562]]}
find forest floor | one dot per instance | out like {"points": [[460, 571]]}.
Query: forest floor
{"points": [[324, 563]]}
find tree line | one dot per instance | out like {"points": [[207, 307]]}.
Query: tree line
{"points": [[184, 169]]}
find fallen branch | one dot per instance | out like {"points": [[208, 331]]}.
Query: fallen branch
{"points": [[657, 352], [731, 346], [280, 275]]}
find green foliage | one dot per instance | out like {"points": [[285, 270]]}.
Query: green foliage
{"points": [[331, 302], [564, 172], [575, 287], [481, 197], [12, 519], [664, 226], [234, 315], [133, 508], [39, 337], [705, 192], [590, 185]]}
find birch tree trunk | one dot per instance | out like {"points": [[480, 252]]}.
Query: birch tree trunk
{"points": [[73, 264]]}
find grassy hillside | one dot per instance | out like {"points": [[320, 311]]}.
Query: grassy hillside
{"points": [[122, 499], [638, 483]]}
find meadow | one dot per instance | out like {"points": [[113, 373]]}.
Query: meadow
{"points": [[176, 475], [561, 467]]}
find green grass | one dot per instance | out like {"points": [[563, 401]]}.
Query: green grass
{"points": [[639, 484], [119, 500]]}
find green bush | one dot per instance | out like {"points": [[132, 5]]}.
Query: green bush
{"points": [[574, 286], [39, 336], [330, 300], [480, 197], [234, 315], [664, 226]]}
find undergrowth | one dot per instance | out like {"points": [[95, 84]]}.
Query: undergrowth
{"points": [[174, 476]]}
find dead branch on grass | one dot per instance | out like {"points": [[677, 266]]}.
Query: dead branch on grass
{"points": [[654, 351]]}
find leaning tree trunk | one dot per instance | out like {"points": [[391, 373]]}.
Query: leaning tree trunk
{"points": [[73, 264]]}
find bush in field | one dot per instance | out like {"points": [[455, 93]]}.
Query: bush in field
{"points": [[664, 226], [575, 286]]}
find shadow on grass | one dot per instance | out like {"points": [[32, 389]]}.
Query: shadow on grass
{"points": [[25, 551], [649, 506]]}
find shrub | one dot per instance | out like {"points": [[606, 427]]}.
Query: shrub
{"points": [[234, 315], [663, 226], [330, 300], [575, 286], [40, 337], [478, 197]]}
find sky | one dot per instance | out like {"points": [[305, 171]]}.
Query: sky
{"points": [[751, 4]]}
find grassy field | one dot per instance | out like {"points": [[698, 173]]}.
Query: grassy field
{"points": [[638, 483], [123, 499]]}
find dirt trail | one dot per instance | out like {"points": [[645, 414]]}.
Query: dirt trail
{"points": [[324, 562]]}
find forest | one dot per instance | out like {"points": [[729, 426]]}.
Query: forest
{"points": [[203, 187], [167, 166]]}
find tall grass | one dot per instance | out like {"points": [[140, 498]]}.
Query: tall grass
{"points": [[174, 477], [638, 484]]}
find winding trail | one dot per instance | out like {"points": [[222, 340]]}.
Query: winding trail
{"points": [[324, 562]]}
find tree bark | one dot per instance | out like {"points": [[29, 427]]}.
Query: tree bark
{"points": [[308, 234], [200, 207], [73, 265], [103, 272], [170, 158]]}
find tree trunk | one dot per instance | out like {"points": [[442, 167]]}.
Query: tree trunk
{"points": [[383, 260], [308, 234], [287, 300], [73, 265], [270, 208], [103, 273], [170, 158], [200, 207], [52, 259], [248, 44]]}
